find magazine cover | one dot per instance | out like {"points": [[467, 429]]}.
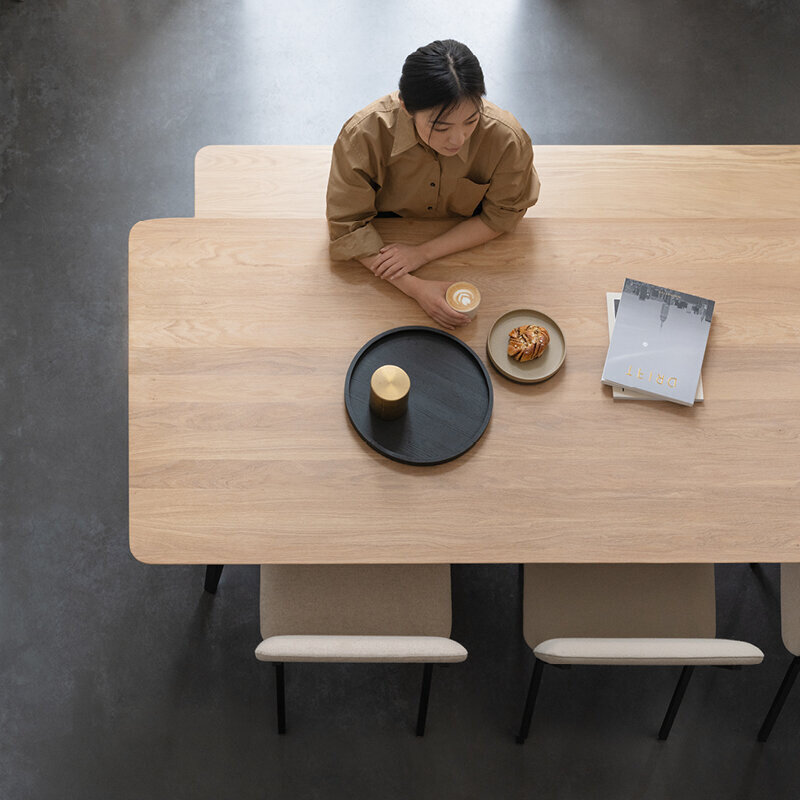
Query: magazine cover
{"points": [[658, 342], [620, 392]]}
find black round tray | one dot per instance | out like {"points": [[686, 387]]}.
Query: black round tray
{"points": [[449, 404]]}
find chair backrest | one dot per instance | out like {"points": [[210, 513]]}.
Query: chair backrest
{"points": [[357, 599], [790, 607], [618, 600]]}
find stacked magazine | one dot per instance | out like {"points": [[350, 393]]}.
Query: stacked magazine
{"points": [[658, 340]]}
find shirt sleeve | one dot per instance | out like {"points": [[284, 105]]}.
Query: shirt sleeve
{"points": [[513, 189], [351, 199]]}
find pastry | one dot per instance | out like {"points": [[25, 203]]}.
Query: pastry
{"points": [[527, 342]]}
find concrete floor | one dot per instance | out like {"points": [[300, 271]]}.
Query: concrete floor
{"points": [[121, 680]]}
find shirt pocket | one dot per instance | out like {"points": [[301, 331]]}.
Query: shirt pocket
{"points": [[466, 197]]}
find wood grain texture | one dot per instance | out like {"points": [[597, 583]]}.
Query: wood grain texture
{"points": [[241, 333], [597, 181], [279, 181]]}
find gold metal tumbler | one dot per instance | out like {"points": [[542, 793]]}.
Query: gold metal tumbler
{"points": [[388, 392]]}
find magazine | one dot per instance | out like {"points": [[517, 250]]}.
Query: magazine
{"points": [[659, 341], [620, 392]]}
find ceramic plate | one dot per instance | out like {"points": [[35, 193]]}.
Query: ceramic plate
{"points": [[537, 370]]}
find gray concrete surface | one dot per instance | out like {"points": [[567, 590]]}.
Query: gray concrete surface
{"points": [[120, 680]]}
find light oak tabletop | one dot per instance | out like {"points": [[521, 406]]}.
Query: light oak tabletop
{"points": [[242, 330], [591, 181]]}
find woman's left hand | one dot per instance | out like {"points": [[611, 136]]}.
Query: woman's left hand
{"points": [[395, 260]]}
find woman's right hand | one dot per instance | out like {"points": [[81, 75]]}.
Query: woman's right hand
{"points": [[430, 296]]}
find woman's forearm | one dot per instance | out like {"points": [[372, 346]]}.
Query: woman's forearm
{"points": [[470, 233], [398, 259], [405, 283]]}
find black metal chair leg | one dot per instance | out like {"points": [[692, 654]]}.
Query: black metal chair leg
{"points": [[213, 573], [675, 703], [530, 701], [422, 715], [780, 697], [281, 697]]}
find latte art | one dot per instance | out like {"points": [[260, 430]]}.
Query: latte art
{"points": [[463, 297]]}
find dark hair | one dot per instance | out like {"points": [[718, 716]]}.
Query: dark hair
{"points": [[442, 73]]}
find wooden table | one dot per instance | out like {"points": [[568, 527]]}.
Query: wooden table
{"points": [[241, 332], [585, 181]]}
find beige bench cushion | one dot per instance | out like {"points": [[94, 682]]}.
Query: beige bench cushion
{"points": [[361, 648], [648, 651]]}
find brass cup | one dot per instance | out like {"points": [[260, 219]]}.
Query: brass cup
{"points": [[388, 392]]}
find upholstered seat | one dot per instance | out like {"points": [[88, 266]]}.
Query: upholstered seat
{"points": [[650, 652], [409, 649]]}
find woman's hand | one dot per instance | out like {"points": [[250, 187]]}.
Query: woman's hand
{"points": [[430, 296], [395, 260]]}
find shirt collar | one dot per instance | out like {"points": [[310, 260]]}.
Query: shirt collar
{"points": [[405, 133], [406, 136]]}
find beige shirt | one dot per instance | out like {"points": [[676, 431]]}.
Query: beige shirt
{"points": [[380, 164]]}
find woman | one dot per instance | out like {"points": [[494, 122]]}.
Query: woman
{"points": [[434, 149]]}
